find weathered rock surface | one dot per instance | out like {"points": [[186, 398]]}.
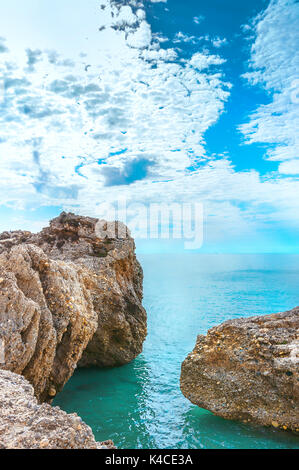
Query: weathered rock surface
{"points": [[247, 369], [24, 424], [69, 294]]}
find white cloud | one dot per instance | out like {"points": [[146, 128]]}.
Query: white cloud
{"points": [[203, 61], [186, 38], [124, 103], [289, 167], [141, 38], [216, 42], [126, 112], [160, 54], [219, 42], [126, 17], [274, 65], [198, 19]]}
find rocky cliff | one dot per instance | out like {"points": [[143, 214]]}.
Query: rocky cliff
{"points": [[247, 369], [24, 424], [69, 295]]}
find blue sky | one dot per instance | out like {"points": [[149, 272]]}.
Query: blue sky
{"points": [[153, 102]]}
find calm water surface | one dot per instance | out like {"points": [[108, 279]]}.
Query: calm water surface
{"points": [[140, 405]]}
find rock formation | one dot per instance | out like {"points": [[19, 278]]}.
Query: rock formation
{"points": [[24, 424], [69, 294], [247, 369]]}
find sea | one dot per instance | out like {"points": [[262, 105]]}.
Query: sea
{"points": [[140, 405]]}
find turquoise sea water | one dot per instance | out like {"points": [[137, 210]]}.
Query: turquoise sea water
{"points": [[140, 405]]}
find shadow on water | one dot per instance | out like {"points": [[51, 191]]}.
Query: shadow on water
{"points": [[113, 402]]}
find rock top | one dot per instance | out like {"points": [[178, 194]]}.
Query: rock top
{"points": [[24, 424], [247, 369], [69, 295]]}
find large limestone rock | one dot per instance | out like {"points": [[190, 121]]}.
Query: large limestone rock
{"points": [[247, 369], [69, 294], [24, 424]]}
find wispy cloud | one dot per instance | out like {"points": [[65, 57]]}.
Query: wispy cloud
{"points": [[274, 65], [81, 115], [219, 42], [198, 19], [126, 117]]}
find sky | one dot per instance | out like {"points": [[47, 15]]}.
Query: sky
{"points": [[153, 102]]}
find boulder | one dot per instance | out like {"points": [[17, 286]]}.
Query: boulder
{"points": [[247, 369], [25, 424]]}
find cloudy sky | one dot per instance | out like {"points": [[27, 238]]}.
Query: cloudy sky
{"points": [[153, 101]]}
